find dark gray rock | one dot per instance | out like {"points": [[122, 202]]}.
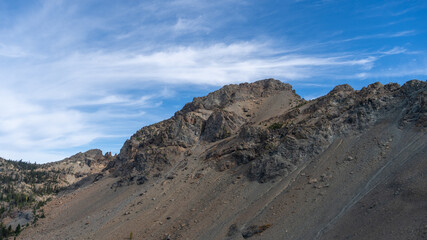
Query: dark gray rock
{"points": [[221, 124]]}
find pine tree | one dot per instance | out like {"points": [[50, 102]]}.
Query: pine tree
{"points": [[18, 230]]}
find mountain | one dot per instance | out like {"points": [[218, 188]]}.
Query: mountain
{"points": [[256, 161]]}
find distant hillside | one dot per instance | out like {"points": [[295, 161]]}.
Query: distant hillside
{"points": [[25, 187]]}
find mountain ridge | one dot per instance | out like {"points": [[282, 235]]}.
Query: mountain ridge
{"points": [[223, 123], [257, 161]]}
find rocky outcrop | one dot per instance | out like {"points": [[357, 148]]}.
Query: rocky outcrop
{"points": [[274, 145], [221, 124], [230, 94], [341, 112], [80, 166], [205, 119]]}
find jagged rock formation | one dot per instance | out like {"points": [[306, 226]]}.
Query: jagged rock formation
{"points": [[234, 121], [257, 161], [80, 166], [218, 116]]}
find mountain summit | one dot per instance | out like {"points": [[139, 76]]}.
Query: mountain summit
{"points": [[257, 161]]}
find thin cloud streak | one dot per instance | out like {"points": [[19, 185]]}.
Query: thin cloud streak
{"points": [[377, 36], [214, 65]]}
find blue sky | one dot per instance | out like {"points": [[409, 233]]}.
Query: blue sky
{"points": [[82, 74]]}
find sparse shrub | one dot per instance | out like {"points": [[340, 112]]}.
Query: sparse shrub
{"points": [[18, 230], [301, 104], [232, 230], [275, 126], [264, 227], [254, 229]]}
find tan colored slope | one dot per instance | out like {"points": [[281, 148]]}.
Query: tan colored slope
{"points": [[263, 109]]}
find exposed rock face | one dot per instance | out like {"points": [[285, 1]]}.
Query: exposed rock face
{"points": [[217, 116], [273, 143], [238, 93], [221, 124], [343, 111], [80, 165]]}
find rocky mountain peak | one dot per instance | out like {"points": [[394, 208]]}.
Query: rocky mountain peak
{"points": [[266, 124], [413, 86], [237, 92], [342, 88], [211, 118]]}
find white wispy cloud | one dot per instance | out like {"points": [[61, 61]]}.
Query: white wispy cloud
{"points": [[25, 125], [406, 70], [11, 51], [185, 25], [393, 51], [377, 36], [213, 64], [393, 8]]}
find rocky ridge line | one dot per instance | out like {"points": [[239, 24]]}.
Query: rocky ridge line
{"points": [[228, 124]]}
